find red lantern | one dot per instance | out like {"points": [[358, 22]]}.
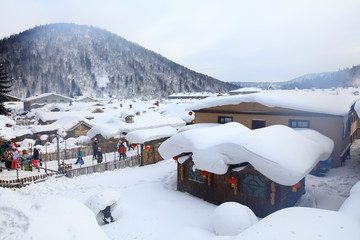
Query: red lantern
{"points": [[92, 139], [147, 148], [204, 174], [175, 158], [296, 186], [233, 181], [39, 135], [190, 113]]}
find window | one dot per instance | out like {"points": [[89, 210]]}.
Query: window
{"points": [[194, 174], [61, 100], [258, 123], [294, 123], [54, 100], [45, 100], [223, 120]]}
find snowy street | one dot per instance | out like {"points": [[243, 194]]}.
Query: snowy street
{"points": [[149, 206]]}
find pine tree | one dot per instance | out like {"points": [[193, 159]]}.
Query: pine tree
{"points": [[5, 87]]}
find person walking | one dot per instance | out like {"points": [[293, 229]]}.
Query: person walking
{"points": [[80, 155], [35, 161], [26, 160], [15, 158], [122, 150], [99, 156]]}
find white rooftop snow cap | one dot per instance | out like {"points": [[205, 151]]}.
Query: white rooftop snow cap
{"points": [[145, 135], [278, 152]]}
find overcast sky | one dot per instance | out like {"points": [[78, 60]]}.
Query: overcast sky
{"points": [[231, 40]]}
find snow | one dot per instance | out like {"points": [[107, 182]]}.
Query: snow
{"points": [[68, 122], [301, 101], [147, 203], [146, 135], [299, 223], [326, 143], [100, 200], [150, 208], [285, 156], [48, 217], [109, 126], [231, 218]]}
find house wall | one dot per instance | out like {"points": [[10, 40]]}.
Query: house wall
{"points": [[152, 155], [253, 189], [329, 125], [46, 100], [80, 130]]}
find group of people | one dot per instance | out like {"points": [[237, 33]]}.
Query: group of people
{"points": [[121, 148], [15, 159]]}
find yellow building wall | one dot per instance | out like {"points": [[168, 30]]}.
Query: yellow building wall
{"points": [[330, 126]]}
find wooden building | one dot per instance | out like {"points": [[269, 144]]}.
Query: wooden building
{"points": [[331, 115], [245, 185], [45, 98], [148, 142]]}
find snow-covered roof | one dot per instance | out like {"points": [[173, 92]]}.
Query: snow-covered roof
{"points": [[7, 120], [111, 127], [53, 116], [302, 101], [146, 135], [246, 90], [45, 95], [68, 122], [190, 94], [45, 128], [278, 152]]}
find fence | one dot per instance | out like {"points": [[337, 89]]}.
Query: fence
{"points": [[41, 176], [107, 166], [66, 154]]}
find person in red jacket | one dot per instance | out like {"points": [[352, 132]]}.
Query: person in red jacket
{"points": [[122, 150]]}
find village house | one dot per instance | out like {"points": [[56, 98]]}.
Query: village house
{"points": [[74, 126], [43, 99], [221, 163], [331, 115], [148, 141]]}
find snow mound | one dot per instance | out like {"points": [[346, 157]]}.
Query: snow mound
{"points": [[299, 223], [355, 188], [351, 204], [231, 218], [49, 217], [100, 200]]}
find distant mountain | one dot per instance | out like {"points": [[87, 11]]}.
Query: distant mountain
{"points": [[348, 77], [76, 60]]}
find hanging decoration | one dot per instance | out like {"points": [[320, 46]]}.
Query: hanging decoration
{"points": [[206, 176], [175, 159], [147, 148], [39, 135], [296, 186], [272, 194], [233, 181]]}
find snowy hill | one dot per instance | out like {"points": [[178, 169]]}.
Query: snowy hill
{"points": [[76, 60], [348, 77]]}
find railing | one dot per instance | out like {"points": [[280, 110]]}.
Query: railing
{"points": [[24, 181], [41, 176], [107, 166]]}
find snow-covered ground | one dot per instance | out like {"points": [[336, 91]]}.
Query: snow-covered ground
{"points": [[150, 207]]}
